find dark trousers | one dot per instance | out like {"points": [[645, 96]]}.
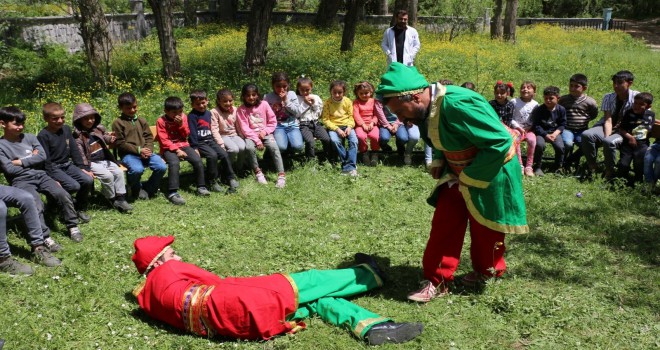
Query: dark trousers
{"points": [[628, 154], [46, 185], [173, 167], [558, 145], [214, 153], [14, 197], [310, 132], [74, 180]]}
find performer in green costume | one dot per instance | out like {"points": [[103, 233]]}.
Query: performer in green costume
{"points": [[477, 182]]}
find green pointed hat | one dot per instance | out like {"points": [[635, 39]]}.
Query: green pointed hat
{"points": [[401, 80]]}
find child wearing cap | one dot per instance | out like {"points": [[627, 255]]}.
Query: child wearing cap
{"points": [[93, 142]]}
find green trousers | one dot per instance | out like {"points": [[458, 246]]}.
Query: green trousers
{"points": [[321, 292]]}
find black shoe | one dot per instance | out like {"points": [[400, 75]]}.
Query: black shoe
{"points": [[143, 195], [391, 332], [122, 206], [84, 218], [362, 258]]}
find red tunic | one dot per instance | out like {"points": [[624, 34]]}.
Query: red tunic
{"points": [[190, 298]]}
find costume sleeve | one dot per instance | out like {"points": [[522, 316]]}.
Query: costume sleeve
{"points": [[146, 134], [120, 138], [244, 126], [473, 118], [271, 119], [357, 118], [216, 125]]}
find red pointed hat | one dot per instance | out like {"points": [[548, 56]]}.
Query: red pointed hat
{"points": [[148, 250]]}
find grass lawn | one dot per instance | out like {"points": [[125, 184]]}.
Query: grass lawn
{"points": [[586, 276]]}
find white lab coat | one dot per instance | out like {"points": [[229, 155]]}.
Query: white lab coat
{"points": [[411, 46]]}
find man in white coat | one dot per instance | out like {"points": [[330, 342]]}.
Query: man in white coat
{"points": [[400, 42]]}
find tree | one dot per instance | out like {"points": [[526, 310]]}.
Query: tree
{"points": [[227, 10], [381, 7], [353, 11], [327, 13], [510, 20], [96, 39], [257, 35], [162, 10], [496, 21]]}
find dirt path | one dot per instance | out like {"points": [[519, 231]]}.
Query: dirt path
{"points": [[648, 30]]}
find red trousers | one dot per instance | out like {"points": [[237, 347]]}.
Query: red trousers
{"points": [[443, 250]]}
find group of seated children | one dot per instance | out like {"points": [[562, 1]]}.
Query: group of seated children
{"points": [[563, 121]]}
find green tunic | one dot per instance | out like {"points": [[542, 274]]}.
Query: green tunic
{"points": [[464, 127]]}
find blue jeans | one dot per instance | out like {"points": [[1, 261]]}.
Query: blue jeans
{"points": [[14, 197], [571, 138], [288, 135], [406, 138], [135, 165], [652, 163], [348, 157]]}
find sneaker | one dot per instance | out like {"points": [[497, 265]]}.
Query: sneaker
{"points": [[407, 159], [353, 173], [281, 181], [374, 159], [529, 171], [74, 233], [427, 291], [13, 267], [41, 255], [202, 191], [391, 332], [365, 158], [143, 195], [122, 206], [261, 178], [538, 172], [215, 187], [84, 218], [53, 246], [176, 199]]}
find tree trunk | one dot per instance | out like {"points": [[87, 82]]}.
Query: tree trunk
{"points": [[326, 15], [381, 8], [350, 23], [412, 13], [257, 35], [96, 39], [162, 10], [227, 10], [510, 20], [189, 13], [496, 21]]}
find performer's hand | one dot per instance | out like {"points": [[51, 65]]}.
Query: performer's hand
{"points": [[435, 172]]}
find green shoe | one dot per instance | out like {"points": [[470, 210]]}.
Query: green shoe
{"points": [[13, 267]]}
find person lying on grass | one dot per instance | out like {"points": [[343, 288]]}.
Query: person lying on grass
{"points": [[258, 308]]}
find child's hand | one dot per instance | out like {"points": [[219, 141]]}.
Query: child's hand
{"points": [[367, 127], [260, 147], [35, 152], [145, 153], [178, 119], [88, 173], [17, 162], [262, 135], [282, 95], [197, 151], [522, 133], [550, 137], [394, 128], [347, 131], [632, 141], [340, 133], [181, 154], [309, 100]]}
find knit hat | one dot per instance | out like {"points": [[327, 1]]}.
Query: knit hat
{"points": [[84, 109], [401, 80], [148, 250]]}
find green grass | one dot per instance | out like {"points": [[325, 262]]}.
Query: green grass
{"points": [[585, 277]]}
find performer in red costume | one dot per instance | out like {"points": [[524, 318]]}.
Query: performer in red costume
{"points": [[190, 298]]}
